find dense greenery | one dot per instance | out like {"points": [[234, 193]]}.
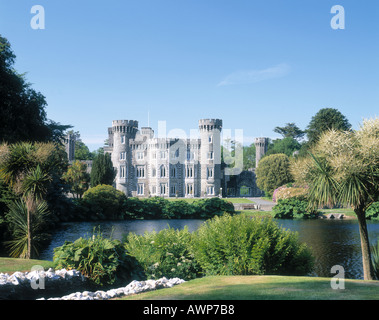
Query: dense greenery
{"points": [[101, 259], [166, 253], [102, 170], [273, 171], [77, 178], [293, 208], [372, 212], [326, 119], [239, 245]]}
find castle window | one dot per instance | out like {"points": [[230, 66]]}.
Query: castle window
{"points": [[153, 172], [210, 139], [209, 173], [189, 188], [122, 139], [189, 172], [163, 154], [173, 172], [139, 155], [122, 171], [140, 188], [163, 188], [173, 189], [140, 172], [210, 155], [122, 155], [154, 189], [211, 190], [163, 171]]}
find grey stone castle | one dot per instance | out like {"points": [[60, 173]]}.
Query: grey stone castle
{"points": [[171, 167], [149, 166]]}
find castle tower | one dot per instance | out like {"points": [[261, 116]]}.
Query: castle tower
{"points": [[121, 132], [260, 149], [69, 142], [210, 156]]}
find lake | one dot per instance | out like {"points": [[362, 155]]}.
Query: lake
{"points": [[333, 242]]}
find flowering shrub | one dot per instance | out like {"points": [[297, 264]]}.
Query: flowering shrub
{"points": [[290, 191]]}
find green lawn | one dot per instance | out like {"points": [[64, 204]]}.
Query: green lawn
{"points": [[10, 265], [263, 288]]}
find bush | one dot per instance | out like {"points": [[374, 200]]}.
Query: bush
{"points": [[165, 253], [104, 202], [102, 260], [292, 209], [272, 172], [239, 245], [372, 212], [290, 191], [159, 208]]}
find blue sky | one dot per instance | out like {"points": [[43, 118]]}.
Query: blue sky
{"points": [[254, 64]]}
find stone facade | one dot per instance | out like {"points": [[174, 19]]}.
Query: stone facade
{"points": [[168, 167]]}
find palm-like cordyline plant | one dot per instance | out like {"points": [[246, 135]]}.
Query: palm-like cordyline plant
{"points": [[343, 168]]}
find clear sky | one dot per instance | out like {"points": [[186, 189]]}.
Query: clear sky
{"points": [[254, 64]]}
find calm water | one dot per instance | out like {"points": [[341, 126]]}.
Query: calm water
{"points": [[333, 242]]}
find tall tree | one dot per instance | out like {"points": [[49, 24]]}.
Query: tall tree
{"points": [[326, 119], [343, 168], [290, 130], [78, 178], [102, 171]]}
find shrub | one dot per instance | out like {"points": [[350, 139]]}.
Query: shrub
{"points": [[165, 253], [372, 212], [102, 260], [290, 191], [239, 245], [272, 172], [292, 209], [104, 202], [207, 208]]}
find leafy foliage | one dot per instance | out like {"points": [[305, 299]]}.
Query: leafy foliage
{"points": [[239, 245], [273, 171], [16, 219], [372, 212], [165, 253], [293, 208], [102, 260], [104, 202], [78, 178], [102, 170]]}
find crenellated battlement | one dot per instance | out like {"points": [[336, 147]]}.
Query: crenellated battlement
{"points": [[210, 124], [124, 125]]}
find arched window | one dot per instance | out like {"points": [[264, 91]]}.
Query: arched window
{"points": [[163, 171]]}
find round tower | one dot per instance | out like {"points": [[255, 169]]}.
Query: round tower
{"points": [[210, 156], [260, 149], [122, 131]]}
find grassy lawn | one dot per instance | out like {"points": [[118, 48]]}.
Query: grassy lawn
{"points": [[10, 265], [263, 288]]}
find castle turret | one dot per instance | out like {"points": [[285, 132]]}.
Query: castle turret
{"points": [[260, 149], [69, 142], [210, 156], [121, 132]]}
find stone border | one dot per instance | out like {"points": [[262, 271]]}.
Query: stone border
{"points": [[132, 288]]}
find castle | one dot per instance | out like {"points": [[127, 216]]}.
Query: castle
{"points": [[172, 167]]}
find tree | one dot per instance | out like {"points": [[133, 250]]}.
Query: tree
{"points": [[28, 170], [326, 119], [273, 171], [287, 146], [102, 171], [290, 130], [343, 169], [78, 178], [22, 109], [249, 154]]}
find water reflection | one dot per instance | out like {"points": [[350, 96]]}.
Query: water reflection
{"points": [[333, 242]]}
